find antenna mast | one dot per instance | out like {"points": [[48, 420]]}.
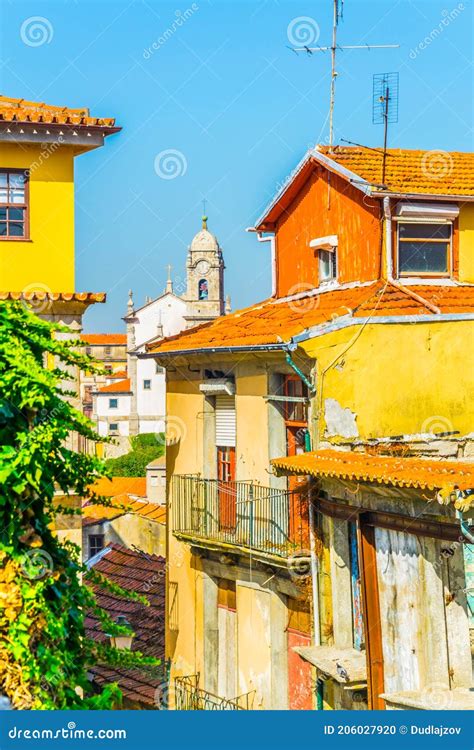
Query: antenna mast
{"points": [[337, 14], [385, 106]]}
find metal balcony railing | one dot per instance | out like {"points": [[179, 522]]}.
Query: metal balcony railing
{"points": [[190, 697], [241, 514]]}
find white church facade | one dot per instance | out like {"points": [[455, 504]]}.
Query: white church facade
{"points": [[133, 402]]}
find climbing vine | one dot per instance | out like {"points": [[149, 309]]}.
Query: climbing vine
{"points": [[44, 649]]}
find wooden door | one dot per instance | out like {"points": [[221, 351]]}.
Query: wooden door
{"points": [[226, 488]]}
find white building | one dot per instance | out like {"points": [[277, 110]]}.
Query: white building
{"points": [[135, 404]]}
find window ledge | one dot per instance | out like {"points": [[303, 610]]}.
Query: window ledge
{"points": [[15, 239]]}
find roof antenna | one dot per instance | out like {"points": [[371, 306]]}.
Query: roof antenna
{"points": [[384, 107], [337, 15]]}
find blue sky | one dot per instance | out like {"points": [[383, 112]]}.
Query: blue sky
{"points": [[241, 109]]}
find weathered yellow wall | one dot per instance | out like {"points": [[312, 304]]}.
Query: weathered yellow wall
{"points": [[254, 644], [466, 243], [400, 379], [185, 419], [46, 260], [252, 424]]}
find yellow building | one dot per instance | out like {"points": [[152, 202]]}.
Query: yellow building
{"points": [[320, 454], [38, 145]]}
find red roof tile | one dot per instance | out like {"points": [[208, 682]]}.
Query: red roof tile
{"points": [[23, 111], [40, 296], [104, 338], [401, 472], [120, 486], [122, 386], [434, 172], [275, 322], [93, 513], [143, 574]]}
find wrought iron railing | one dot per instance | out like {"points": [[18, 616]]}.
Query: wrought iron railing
{"points": [[190, 697], [242, 514]]}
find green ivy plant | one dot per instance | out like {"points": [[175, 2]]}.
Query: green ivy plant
{"points": [[44, 650]]}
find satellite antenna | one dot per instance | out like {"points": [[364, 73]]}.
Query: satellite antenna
{"points": [[337, 15], [384, 106]]}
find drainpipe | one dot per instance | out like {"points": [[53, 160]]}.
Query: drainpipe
{"points": [[388, 238], [300, 374], [464, 527], [270, 238]]}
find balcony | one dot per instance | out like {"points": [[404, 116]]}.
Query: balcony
{"points": [[241, 515], [190, 697]]}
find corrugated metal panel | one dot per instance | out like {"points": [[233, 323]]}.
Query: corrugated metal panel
{"points": [[225, 420]]}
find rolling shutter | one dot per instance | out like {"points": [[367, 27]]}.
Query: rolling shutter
{"points": [[225, 420]]}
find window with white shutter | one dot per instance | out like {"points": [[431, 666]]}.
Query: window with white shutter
{"points": [[225, 421]]}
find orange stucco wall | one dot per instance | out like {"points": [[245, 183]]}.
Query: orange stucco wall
{"points": [[322, 209]]}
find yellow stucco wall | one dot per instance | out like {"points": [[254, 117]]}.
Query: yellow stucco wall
{"points": [[46, 260], [252, 424], [185, 421], [399, 379], [466, 243]]}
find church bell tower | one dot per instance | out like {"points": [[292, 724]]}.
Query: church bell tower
{"points": [[204, 278]]}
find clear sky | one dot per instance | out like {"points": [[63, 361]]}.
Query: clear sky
{"points": [[225, 92]]}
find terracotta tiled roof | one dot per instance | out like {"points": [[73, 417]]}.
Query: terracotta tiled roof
{"points": [[104, 338], [120, 486], [401, 472], [275, 322], [433, 172], [93, 513], [118, 375], [122, 386], [143, 574], [41, 296], [23, 111]]}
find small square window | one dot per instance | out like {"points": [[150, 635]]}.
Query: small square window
{"points": [[113, 403], [96, 544], [113, 428], [423, 248], [13, 204], [108, 350], [147, 385], [327, 265]]}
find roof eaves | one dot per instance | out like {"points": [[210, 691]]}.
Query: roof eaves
{"points": [[287, 183], [222, 349]]}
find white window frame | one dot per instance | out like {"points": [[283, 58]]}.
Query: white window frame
{"points": [[147, 380], [116, 403]]}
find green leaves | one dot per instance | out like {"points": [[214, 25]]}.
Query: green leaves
{"points": [[44, 650]]}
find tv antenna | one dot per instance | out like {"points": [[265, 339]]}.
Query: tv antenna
{"points": [[337, 15], [384, 106]]}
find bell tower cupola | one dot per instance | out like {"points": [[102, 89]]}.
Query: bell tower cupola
{"points": [[205, 278]]}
